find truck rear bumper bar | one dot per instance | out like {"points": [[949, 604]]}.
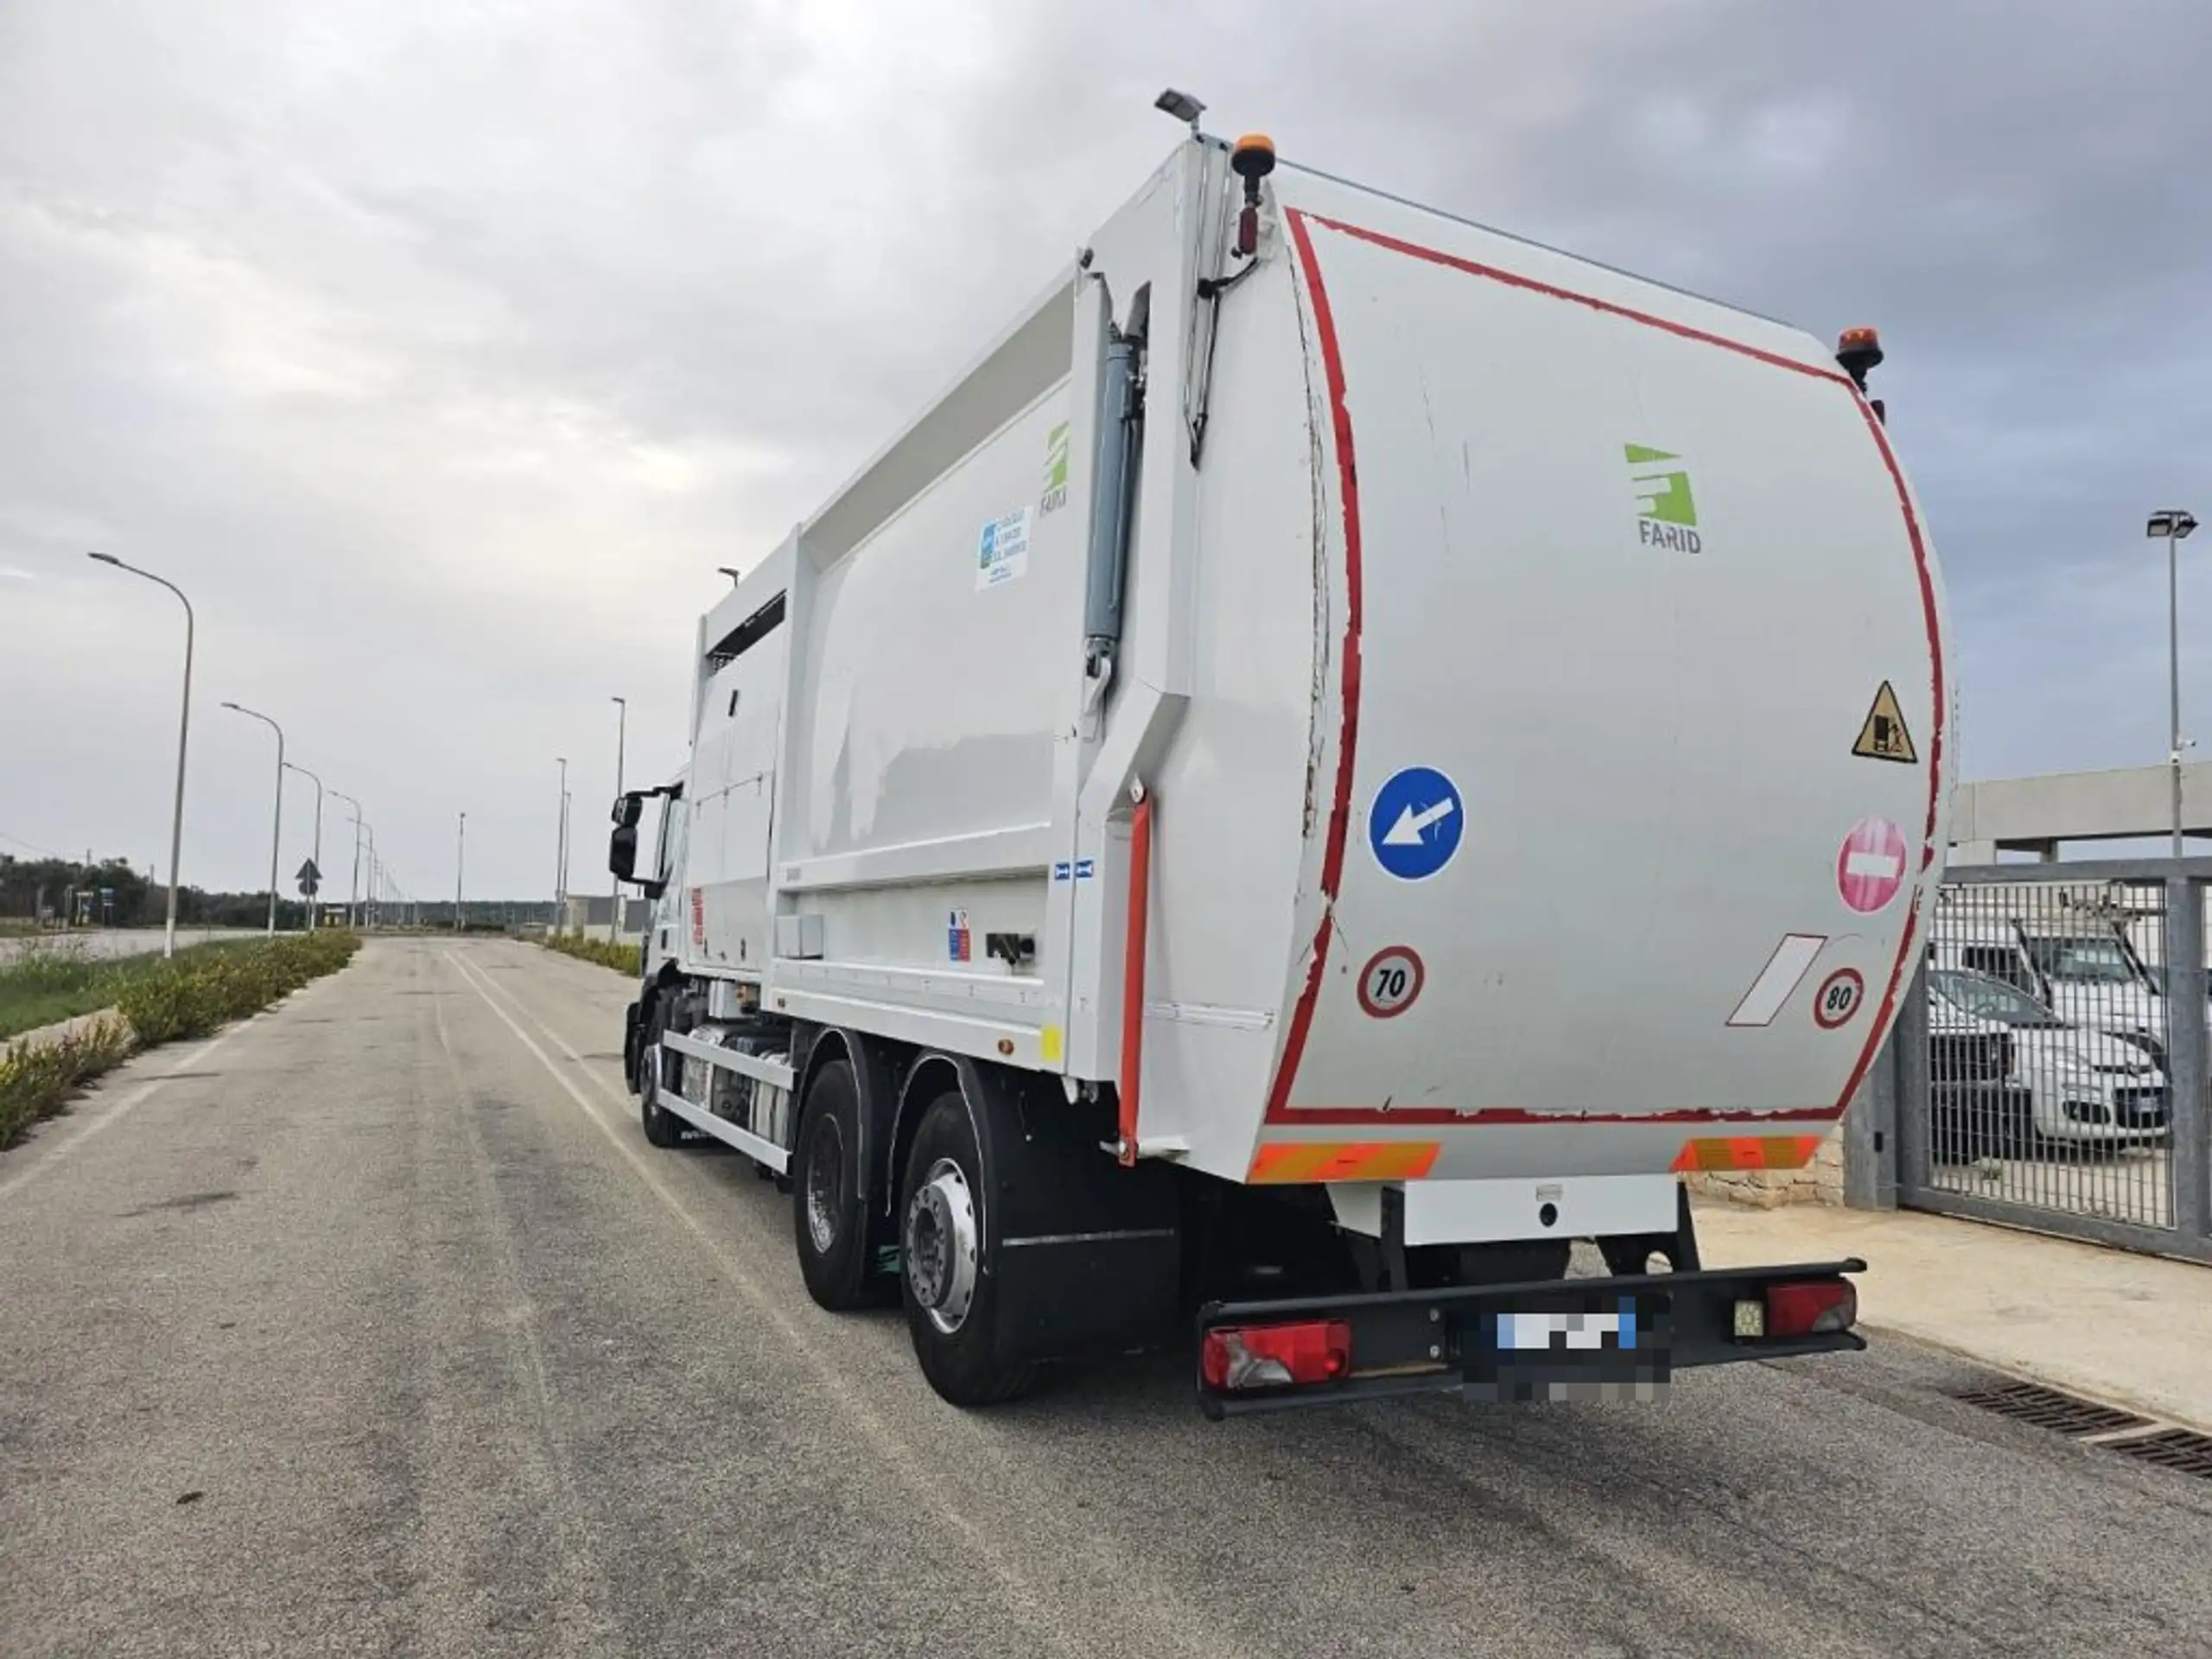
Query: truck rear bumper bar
{"points": [[1613, 1336]]}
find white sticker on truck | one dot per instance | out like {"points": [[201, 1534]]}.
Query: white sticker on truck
{"points": [[1004, 553]]}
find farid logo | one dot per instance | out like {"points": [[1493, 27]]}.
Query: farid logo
{"points": [[1666, 515]]}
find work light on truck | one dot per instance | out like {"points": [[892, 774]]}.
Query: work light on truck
{"points": [[1275, 1356]]}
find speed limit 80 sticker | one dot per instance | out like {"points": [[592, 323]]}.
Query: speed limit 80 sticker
{"points": [[1838, 999], [1391, 981]]}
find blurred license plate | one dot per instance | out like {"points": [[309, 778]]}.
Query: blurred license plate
{"points": [[1609, 1349]]}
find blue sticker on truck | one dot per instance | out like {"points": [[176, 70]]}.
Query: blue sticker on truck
{"points": [[1414, 822]]}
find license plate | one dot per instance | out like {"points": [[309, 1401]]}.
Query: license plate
{"points": [[1568, 1331], [1614, 1348]]}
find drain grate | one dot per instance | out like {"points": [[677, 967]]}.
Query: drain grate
{"points": [[2180, 1449], [2030, 1402]]}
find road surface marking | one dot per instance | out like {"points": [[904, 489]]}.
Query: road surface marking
{"points": [[896, 1454]]}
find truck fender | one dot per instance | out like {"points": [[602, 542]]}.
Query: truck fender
{"points": [[879, 1103], [1088, 1254]]}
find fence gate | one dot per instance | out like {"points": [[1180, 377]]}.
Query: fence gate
{"points": [[2051, 1057]]}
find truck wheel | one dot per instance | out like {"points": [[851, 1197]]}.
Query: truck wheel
{"points": [[828, 1211], [663, 1128], [947, 1276]]}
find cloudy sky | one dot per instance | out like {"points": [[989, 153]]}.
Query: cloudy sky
{"points": [[440, 351]]}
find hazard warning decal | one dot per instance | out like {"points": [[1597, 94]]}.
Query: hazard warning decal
{"points": [[1884, 737]]}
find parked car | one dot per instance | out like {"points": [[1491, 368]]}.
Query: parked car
{"points": [[2060, 1084]]}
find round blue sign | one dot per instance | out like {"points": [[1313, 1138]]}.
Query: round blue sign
{"points": [[1414, 823]]}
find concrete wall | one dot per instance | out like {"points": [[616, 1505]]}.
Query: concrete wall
{"points": [[2036, 814]]}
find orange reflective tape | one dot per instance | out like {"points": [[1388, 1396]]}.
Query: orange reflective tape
{"points": [[1283, 1161], [1717, 1152]]}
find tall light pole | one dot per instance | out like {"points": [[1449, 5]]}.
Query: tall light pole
{"points": [[2174, 524], [621, 743], [459, 856], [315, 900], [561, 856], [353, 886], [183, 730], [277, 824], [369, 894]]}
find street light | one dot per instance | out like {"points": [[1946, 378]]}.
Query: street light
{"points": [[561, 856], [369, 897], [315, 901], [621, 743], [2174, 524], [353, 886], [459, 856], [276, 829], [183, 727]]}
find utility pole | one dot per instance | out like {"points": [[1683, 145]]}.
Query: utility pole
{"points": [[561, 856], [353, 886], [183, 730], [621, 743], [2175, 525], [460, 857], [315, 899], [277, 823]]}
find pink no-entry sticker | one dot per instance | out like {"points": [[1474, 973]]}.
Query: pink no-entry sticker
{"points": [[1871, 868]]}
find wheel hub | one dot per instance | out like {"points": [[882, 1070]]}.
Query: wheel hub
{"points": [[824, 1171], [941, 1245]]}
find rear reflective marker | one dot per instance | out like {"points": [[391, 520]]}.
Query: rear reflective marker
{"points": [[1343, 1160], [1722, 1152]]}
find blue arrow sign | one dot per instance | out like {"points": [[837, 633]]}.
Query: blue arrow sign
{"points": [[1414, 823]]}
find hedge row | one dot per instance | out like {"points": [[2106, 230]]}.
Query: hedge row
{"points": [[623, 959], [177, 999]]}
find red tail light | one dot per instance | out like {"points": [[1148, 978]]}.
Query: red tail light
{"points": [[1812, 1308], [1275, 1356]]}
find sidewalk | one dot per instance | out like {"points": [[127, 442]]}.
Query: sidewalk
{"points": [[2132, 1330]]}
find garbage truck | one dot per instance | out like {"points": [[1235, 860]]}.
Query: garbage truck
{"points": [[1345, 752]]}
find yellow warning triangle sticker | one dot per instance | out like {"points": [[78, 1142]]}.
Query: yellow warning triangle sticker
{"points": [[1884, 736]]}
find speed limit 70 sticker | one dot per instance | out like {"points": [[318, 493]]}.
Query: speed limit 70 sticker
{"points": [[1838, 999], [1391, 981]]}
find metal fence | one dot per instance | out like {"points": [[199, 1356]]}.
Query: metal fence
{"points": [[2050, 1065]]}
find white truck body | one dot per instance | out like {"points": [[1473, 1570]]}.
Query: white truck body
{"points": [[1496, 630]]}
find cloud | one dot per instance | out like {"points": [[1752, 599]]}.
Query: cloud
{"points": [[441, 352]]}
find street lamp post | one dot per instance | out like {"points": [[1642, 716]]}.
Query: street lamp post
{"points": [[315, 901], [561, 856], [2174, 524], [277, 824], [621, 743], [183, 730], [459, 856], [353, 886]]}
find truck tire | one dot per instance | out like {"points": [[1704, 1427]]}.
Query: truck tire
{"points": [[829, 1214], [663, 1128], [948, 1280]]}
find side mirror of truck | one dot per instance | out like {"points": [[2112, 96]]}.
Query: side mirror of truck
{"points": [[627, 809], [622, 850]]}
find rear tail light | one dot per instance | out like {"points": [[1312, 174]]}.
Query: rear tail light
{"points": [[1275, 1356], [1810, 1309]]}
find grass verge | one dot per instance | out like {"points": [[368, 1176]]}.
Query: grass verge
{"points": [[188, 996], [57, 980], [623, 959]]}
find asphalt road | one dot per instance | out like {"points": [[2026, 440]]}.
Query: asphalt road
{"points": [[374, 1326]]}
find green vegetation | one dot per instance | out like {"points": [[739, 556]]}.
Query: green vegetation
{"points": [[160, 1001], [37, 1078], [190, 999], [623, 959], [57, 980]]}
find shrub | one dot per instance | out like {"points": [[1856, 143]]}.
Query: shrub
{"points": [[623, 959], [37, 1078]]}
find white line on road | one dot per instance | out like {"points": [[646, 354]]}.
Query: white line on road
{"points": [[1049, 1622], [121, 1108]]}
